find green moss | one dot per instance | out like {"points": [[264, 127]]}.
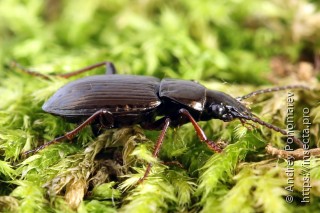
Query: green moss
{"points": [[247, 44]]}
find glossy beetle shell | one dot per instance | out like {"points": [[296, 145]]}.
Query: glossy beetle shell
{"points": [[115, 93], [187, 93], [138, 99]]}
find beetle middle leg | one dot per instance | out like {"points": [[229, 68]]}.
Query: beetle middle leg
{"points": [[157, 147], [69, 135], [212, 145]]}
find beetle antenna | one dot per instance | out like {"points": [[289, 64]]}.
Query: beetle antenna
{"points": [[274, 89], [275, 128]]}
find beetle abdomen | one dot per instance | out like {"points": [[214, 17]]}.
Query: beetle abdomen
{"points": [[115, 93]]}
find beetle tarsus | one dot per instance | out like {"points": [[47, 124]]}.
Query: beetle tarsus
{"points": [[56, 140], [213, 146]]}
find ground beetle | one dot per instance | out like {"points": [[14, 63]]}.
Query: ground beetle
{"points": [[113, 101]]}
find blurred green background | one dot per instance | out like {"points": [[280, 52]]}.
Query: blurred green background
{"points": [[229, 45], [223, 40]]}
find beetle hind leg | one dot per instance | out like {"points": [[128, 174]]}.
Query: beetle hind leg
{"points": [[70, 135], [110, 69], [105, 121]]}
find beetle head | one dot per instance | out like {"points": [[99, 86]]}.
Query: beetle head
{"points": [[222, 106], [222, 112]]}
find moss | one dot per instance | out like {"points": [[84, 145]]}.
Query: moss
{"points": [[248, 44]]}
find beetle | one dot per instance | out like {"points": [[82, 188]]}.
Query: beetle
{"points": [[114, 101]]}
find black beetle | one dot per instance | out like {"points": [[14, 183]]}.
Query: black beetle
{"points": [[113, 101]]}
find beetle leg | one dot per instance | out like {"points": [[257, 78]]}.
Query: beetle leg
{"points": [[213, 146], [28, 71], [110, 69], [71, 134], [154, 125], [157, 147]]}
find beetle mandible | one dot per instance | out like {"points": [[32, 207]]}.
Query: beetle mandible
{"points": [[114, 101]]}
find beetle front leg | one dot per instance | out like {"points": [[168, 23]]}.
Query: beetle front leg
{"points": [[212, 145], [71, 134]]}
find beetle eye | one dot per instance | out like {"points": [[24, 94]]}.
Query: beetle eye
{"points": [[218, 110], [221, 112]]}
